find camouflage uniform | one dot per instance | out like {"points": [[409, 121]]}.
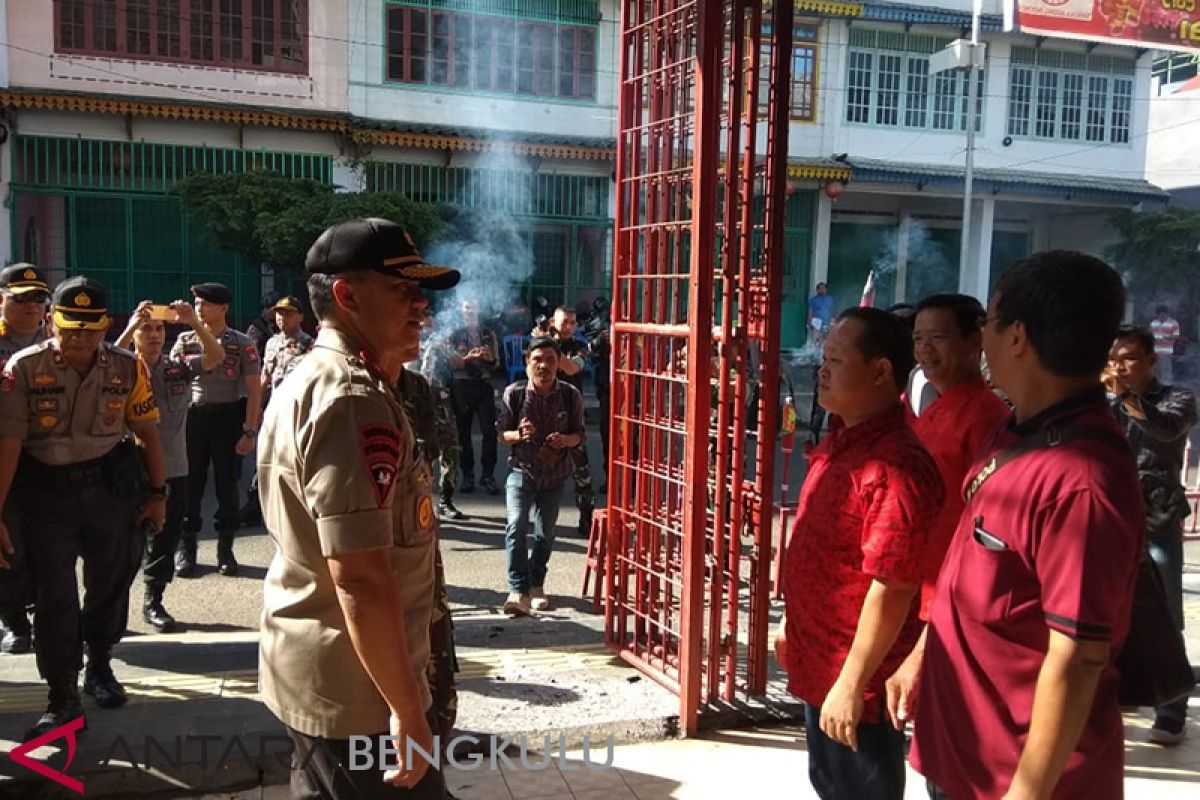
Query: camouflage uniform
{"points": [[436, 368], [434, 438]]}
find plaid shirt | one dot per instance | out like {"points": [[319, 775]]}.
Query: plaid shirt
{"points": [[560, 411]]}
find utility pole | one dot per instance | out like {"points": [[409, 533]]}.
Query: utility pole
{"points": [[974, 63]]}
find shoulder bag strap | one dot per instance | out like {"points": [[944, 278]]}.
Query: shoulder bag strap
{"points": [[1050, 437]]}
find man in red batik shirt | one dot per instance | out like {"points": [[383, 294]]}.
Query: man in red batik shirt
{"points": [[955, 429], [1018, 691], [854, 564]]}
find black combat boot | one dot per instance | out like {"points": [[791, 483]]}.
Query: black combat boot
{"points": [[100, 683], [18, 634], [63, 707], [586, 509], [153, 611], [185, 556], [226, 564], [446, 507]]}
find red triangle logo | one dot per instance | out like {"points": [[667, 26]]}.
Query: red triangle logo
{"points": [[67, 731]]}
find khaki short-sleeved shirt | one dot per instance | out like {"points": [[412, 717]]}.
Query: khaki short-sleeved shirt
{"points": [[222, 383], [66, 418], [338, 473]]}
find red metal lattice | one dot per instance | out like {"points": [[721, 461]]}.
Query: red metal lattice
{"points": [[698, 276]]}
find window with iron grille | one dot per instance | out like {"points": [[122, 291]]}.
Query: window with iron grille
{"points": [[269, 35], [1070, 96], [890, 84], [507, 54]]}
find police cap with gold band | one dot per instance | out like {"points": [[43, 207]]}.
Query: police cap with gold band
{"points": [[81, 304], [379, 245], [22, 279], [288, 303], [213, 292]]}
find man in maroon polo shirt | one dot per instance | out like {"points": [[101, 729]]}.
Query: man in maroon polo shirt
{"points": [[853, 566], [1018, 693], [955, 428]]}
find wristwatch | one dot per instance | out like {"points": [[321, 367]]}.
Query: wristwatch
{"points": [[159, 491], [249, 433]]}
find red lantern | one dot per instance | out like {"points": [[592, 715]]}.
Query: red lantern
{"points": [[834, 189]]}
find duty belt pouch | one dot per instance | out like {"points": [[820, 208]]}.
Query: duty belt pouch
{"points": [[1153, 663], [126, 473]]}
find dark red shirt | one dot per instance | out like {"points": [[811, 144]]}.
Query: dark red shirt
{"points": [[1050, 542], [864, 512], [955, 429]]}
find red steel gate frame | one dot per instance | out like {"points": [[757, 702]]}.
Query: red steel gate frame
{"points": [[698, 278]]}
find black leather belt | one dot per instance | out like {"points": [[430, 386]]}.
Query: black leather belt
{"points": [[80, 475]]}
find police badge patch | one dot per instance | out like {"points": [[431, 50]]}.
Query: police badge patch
{"points": [[380, 448]]}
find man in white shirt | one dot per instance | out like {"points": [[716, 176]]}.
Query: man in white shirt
{"points": [[1166, 331]]}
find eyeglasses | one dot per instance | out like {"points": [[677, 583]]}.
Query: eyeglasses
{"points": [[29, 298]]}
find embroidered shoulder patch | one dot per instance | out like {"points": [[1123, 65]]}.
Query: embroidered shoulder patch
{"points": [[380, 446]]}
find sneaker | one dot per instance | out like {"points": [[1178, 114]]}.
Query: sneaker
{"points": [[17, 638], [517, 604], [468, 485], [446, 510], [538, 600], [489, 483], [57, 715], [1168, 732]]}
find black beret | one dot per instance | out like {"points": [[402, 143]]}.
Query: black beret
{"points": [[375, 244], [213, 293]]}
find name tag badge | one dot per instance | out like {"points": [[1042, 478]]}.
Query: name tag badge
{"points": [[988, 540]]}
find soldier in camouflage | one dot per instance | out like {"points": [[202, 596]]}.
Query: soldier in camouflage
{"points": [[436, 434], [438, 368]]}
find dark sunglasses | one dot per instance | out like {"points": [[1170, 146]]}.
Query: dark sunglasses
{"points": [[30, 297]]}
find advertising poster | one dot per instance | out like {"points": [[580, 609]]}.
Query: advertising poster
{"points": [[1155, 24]]}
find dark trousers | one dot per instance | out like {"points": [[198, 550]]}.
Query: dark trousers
{"points": [[875, 772], [603, 398], [212, 436], [474, 399], [97, 524], [158, 565], [1166, 551], [321, 769], [17, 591]]}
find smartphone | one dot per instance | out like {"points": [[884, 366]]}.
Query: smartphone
{"points": [[163, 313]]}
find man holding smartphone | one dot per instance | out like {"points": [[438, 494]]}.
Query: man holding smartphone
{"points": [[222, 426], [147, 332]]}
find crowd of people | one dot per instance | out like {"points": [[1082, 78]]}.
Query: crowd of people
{"points": [[963, 557], [967, 562]]}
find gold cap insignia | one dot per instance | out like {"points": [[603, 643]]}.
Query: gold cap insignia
{"points": [[30, 275], [83, 300]]}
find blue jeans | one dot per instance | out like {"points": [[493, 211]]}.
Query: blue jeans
{"points": [[528, 555], [875, 772], [1166, 551]]}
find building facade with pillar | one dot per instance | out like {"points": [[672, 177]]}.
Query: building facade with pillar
{"points": [[1061, 143]]}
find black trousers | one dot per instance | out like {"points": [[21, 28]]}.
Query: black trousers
{"points": [[212, 436], [321, 769], [17, 590], [99, 525], [875, 772], [475, 399], [603, 395], [158, 564]]}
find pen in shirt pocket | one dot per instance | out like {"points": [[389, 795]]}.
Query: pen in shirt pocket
{"points": [[986, 539]]}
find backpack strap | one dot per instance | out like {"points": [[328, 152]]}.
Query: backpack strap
{"points": [[1051, 436]]}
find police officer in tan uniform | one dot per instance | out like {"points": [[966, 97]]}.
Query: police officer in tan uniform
{"points": [[172, 383], [22, 324], [349, 504], [69, 409], [222, 424]]}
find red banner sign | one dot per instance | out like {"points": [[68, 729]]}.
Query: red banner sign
{"points": [[1159, 24]]}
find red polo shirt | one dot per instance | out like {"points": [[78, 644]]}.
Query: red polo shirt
{"points": [[955, 429], [864, 512], [1050, 541]]}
